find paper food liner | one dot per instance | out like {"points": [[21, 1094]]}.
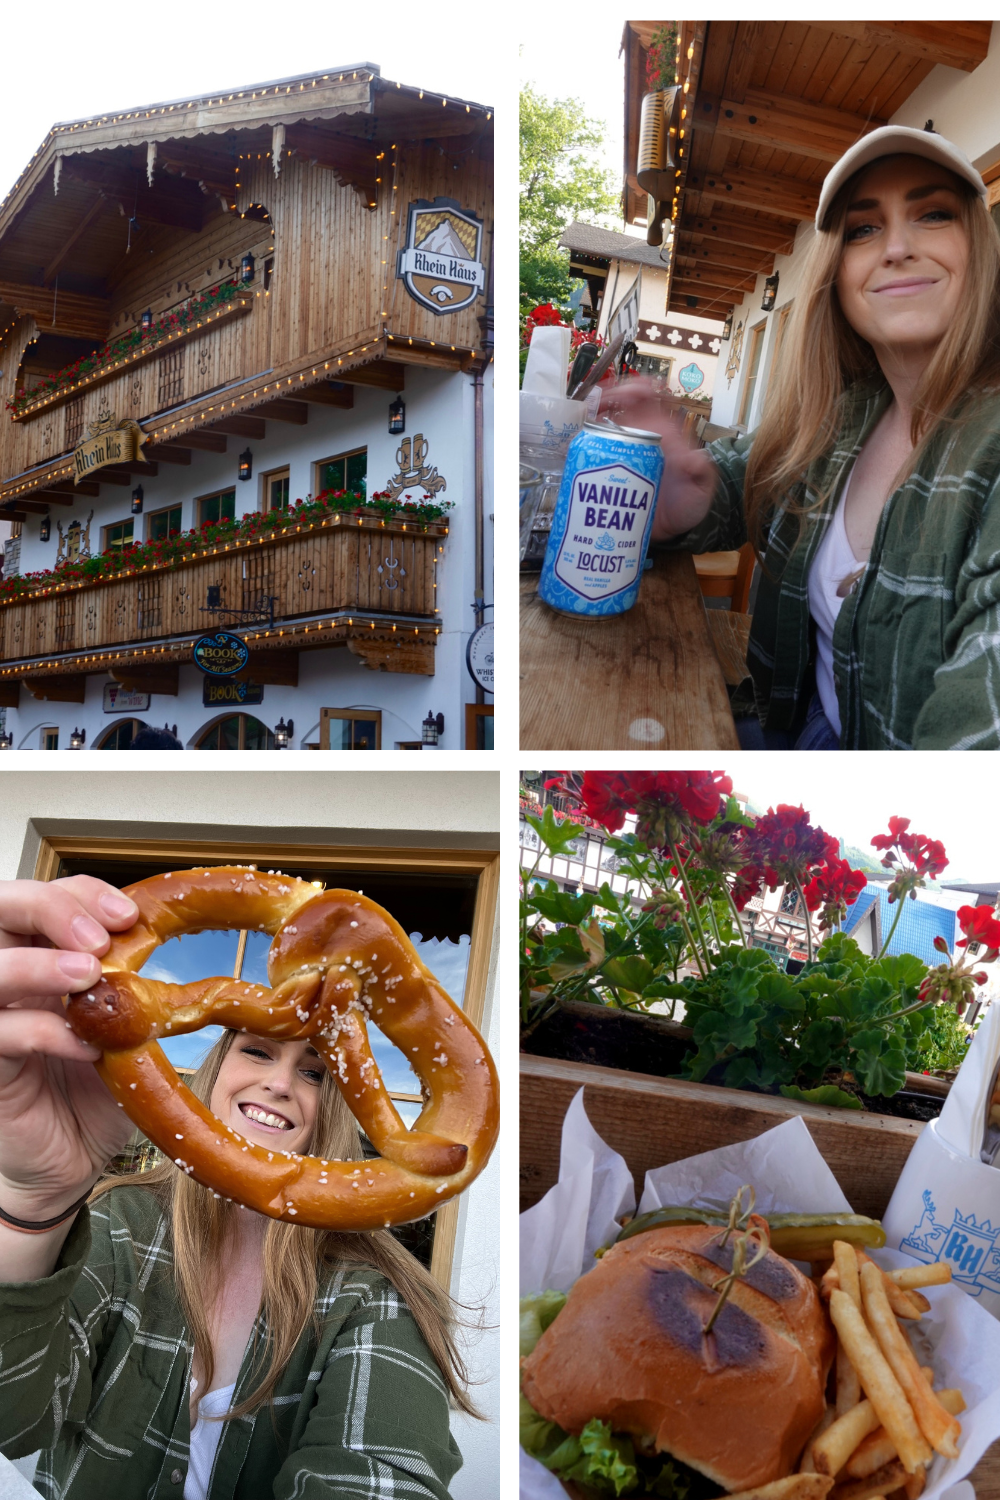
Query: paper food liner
{"points": [[561, 1232]]}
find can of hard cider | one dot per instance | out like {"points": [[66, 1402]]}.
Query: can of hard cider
{"points": [[602, 520]]}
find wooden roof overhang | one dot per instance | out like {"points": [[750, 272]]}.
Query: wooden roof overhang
{"points": [[176, 164], [768, 107]]}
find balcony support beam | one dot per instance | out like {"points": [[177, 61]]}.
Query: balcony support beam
{"points": [[140, 678], [276, 668], [67, 687]]}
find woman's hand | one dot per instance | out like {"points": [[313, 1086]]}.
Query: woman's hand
{"points": [[59, 1125], [689, 475]]}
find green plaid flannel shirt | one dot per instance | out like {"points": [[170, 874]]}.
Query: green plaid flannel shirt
{"points": [[95, 1366], [916, 647]]}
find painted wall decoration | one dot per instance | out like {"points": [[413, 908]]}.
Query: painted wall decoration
{"points": [[672, 336], [413, 472], [74, 542], [691, 377], [441, 262], [735, 352]]}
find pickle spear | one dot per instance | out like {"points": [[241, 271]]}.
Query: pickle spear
{"points": [[795, 1236]]}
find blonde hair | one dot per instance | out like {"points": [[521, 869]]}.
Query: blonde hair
{"points": [[294, 1257], [822, 357]]}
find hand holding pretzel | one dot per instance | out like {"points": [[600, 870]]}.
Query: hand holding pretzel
{"points": [[337, 960]]}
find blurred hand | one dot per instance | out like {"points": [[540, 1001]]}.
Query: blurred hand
{"points": [[59, 1125], [689, 476]]}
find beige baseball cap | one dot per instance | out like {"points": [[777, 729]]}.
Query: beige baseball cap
{"points": [[893, 140]]}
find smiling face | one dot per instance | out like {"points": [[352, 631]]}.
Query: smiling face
{"points": [[906, 250], [268, 1091]]}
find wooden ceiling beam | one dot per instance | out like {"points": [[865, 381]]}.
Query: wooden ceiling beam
{"points": [[170, 454], [174, 209], [286, 410], [69, 313], [716, 276], [85, 487], [251, 427], [81, 228], [705, 301], [205, 442], [54, 497], [721, 253], [383, 373], [58, 687], [789, 124], [729, 227], [353, 161], [11, 515], [957, 44], [761, 191], [328, 394], [32, 504], [154, 677]]}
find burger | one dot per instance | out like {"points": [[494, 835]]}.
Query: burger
{"points": [[625, 1392]]}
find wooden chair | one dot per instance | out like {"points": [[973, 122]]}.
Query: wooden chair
{"points": [[728, 575]]}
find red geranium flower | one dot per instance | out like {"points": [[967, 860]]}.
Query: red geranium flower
{"points": [[787, 847], [980, 925]]}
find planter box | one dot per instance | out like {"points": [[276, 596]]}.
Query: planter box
{"points": [[650, 1121]]}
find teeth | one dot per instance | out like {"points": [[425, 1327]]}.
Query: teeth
{"points": [[263, 1118]]}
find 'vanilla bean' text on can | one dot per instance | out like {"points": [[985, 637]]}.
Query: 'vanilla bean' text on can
{"points": [[602, 520]]}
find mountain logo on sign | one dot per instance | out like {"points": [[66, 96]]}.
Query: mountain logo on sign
{"points": [[441, 263]]}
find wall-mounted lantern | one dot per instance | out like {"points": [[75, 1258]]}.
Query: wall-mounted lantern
{"points": [[246, 464], [247, 268], [78, 739], [6, 742], [727, 327], [283, 733], [45, 528], [433, 728], [397, 416], [137, 498], [147, 320], [770, 293]]}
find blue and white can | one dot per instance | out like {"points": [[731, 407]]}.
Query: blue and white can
{"points": [[602, 520]]}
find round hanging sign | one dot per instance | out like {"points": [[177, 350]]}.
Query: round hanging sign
{"points": [[691, 377], [221, 654], [479, 657]]}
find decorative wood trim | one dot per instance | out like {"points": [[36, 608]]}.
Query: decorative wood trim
{"points": [[484, 863], [56, 398]]}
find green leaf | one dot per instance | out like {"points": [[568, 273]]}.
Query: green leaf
{"points": [[607, 1462], [740, 990], [880, 1072], [669, 1484], [741, 1071], [780, 990], [629, 973], [819, 1042], [554, 835], [838, 948], [904, 972], [827, 1093], [536, 1313], [608, 901]]}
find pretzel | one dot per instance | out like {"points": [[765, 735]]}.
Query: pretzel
{"points": [[337, 959]]}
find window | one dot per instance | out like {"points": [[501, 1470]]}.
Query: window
{"points": [[350, 729], [648, 364], [790, 902], [346, 471], [163, 523], [74, 422], [170, 378], [752, 369], [276, 490], [479, 726], [778, 951], [118, 537], [220, 507], [50, 739], [120, 735], [445, 899], [237, 732]]}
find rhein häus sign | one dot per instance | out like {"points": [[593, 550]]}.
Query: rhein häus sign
{"points": [[441, 264], [110, 442]]}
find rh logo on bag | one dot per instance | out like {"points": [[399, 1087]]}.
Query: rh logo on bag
{"points": [[970, 1248]]}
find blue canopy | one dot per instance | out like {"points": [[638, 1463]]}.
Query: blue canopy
{"points": [[919, 924]]}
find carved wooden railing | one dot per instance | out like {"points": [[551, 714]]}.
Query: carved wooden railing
{"points": [[379, 569]]}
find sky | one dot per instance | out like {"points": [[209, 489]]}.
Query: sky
{"points": [[79, 61], [600, 85]]}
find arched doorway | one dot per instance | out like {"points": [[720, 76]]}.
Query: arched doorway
{"points": [[120, 736], [236, 732]]}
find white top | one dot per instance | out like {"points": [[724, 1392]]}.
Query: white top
{"points": [[834, 561], [205, 1439]]}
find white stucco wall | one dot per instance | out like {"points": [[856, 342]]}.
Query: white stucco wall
{"points": [[439, 405], [653, 307], [455, 806]]}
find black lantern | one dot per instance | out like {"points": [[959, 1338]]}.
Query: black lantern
{"points": [[45, 528], [78, 739], [6, 741], [283, 733], [433, 728], [397, 416], [246, 464], [147, 320], [246, 268], [137, 500], [770, 293], [727, 327], [214, 597]]}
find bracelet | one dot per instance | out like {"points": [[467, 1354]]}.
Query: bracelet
{"points": [[25, 1227]]}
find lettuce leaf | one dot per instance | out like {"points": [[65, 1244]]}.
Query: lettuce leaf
{"points": [[537, 1312]]}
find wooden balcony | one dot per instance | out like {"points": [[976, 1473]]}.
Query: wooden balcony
{"points": [[359, 582]]}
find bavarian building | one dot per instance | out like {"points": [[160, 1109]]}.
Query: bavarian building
{"points": [[246, 456]]}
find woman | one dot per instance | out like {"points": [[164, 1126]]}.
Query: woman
{"points": [[870, 488], [166, 1335]]}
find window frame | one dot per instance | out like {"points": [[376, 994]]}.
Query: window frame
{"points": [[752, 376], [111, 526], [220, 719], [284, 472], [164, 510], [483, 863], [332, 459], [200, 500], [474, 711], [114, 727], [781, 329], [326, 714]]}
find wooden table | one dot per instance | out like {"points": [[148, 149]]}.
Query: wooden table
{"points": [[645, 680]]}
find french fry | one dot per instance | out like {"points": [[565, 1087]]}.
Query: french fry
{"points": [[878, 1382], [918, 1299], [846, 1262], [795, 1487], [902, 1303], [878, 1448], [933, 1275], [848, 1384], [881, 1483], [806, 1464], [937, 1425], [834, 1447], [829, 1282], [914, 1485]]}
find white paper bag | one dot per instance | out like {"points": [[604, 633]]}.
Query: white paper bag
{"points": [[788, 1174]]}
